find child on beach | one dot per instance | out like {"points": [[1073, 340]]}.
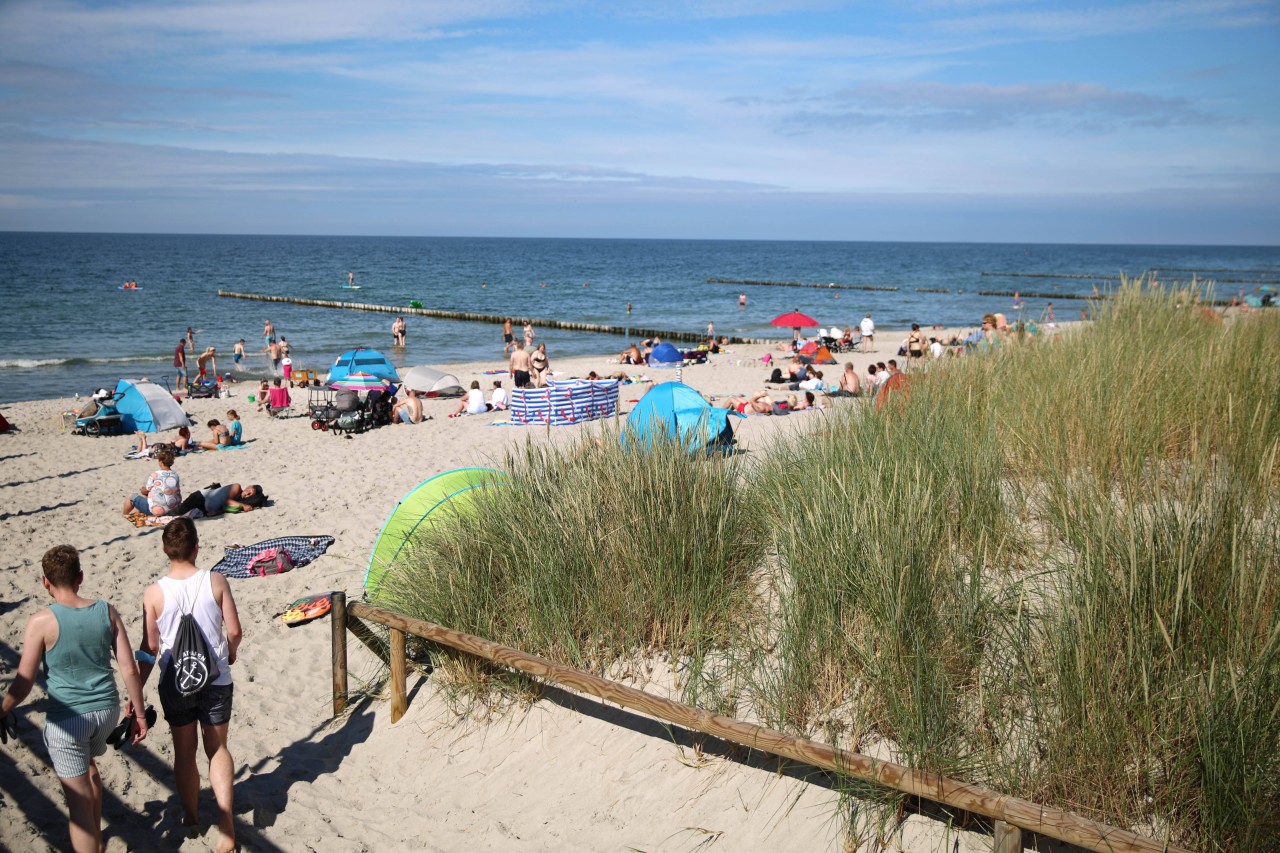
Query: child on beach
{"points": [[75, 638], [263, 388], [234, 427]]}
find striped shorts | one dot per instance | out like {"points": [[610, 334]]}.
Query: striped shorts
{"points": [[72, 740]]}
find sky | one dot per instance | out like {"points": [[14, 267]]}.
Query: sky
{"points": [[920, 120]]}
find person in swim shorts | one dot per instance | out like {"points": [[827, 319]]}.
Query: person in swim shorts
{"points": [[75, 638]]}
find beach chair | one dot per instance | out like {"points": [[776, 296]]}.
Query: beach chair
{"points": [[279, 404]]}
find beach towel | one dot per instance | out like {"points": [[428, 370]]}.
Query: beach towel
{"points": [[303, 549]]}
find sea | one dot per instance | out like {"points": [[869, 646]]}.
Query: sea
{"points": [[67, 327]]}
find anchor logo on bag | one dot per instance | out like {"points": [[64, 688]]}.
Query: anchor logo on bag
{"points": [[192, 674]]}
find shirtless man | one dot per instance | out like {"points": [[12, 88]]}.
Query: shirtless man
{"points": [[268, 333], [520, 366], [508, 339], [408, 410], [849, 381], [398, 332], [273, 352], [206, 361]]}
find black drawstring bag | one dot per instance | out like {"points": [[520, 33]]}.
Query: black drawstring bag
{"points": [[192, 666]]}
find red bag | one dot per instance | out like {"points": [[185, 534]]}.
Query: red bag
{"points": [[271, 561]]}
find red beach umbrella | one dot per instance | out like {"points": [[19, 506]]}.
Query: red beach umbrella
{"points": [[793, 320]]}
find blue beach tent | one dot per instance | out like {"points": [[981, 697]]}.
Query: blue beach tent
{"points": [[148, 407], [675, 410], [665, 355], [361, 360]]}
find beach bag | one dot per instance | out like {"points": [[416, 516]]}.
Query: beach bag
{"points": [[271, 561], [192, 666]]}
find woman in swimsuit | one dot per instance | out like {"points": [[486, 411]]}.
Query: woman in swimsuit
{"points": [[221, 436], [541, 366]]}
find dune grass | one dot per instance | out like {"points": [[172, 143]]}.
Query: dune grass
{"points": [[1051, 569], [593, 554]]}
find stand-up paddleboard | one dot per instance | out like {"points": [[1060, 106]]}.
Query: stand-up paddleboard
{"points": [[128, 289], [350, 287]]}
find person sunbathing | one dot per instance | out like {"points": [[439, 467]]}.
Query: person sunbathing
{"points": [[221, 436], [162, 491], [759, 403], [216, 499], [408, 410], [473, 403], [849, 381]]}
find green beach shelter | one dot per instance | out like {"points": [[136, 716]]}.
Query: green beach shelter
{"points": [[454, 489]]}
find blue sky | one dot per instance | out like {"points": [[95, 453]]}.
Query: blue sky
{"points": [[1144, 122]]}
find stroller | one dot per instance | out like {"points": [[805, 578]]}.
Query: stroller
{"points": [[100, 416]]}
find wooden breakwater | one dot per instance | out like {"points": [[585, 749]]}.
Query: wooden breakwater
{"points": [[831, 286], [1110, 278], [472, 317]]}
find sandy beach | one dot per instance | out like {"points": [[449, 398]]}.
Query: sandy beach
{"points": [[568, 773]]}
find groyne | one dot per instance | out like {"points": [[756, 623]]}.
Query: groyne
{"points": [[831, 286], [491, 319]]}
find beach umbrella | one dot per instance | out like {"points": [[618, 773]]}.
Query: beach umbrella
{"points": [[362, 360], [359, 382], [432, 382], [793, 320]]}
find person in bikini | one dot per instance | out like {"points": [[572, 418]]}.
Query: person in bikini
{"points": [[759, 403]]}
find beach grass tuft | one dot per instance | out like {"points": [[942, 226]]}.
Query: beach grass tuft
{"points": [[592, 554]]}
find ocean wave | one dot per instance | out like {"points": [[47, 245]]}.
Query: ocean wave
{"points": [[32, 363]]}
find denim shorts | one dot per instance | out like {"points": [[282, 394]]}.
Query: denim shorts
{"points": [[72, 740], [141, 504]]}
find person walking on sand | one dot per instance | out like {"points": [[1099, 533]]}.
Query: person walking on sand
{"points": [[520, 366], [508, 338], [868, 329], [207, 596], [75, 638]]}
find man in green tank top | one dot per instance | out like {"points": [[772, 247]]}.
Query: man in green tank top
{"points": [[75, 638]]}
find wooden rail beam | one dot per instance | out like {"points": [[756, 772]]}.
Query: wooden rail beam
{"points": [[1026, 815]]}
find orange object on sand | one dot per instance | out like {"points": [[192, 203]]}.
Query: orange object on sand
{"points": [[305, 609]]}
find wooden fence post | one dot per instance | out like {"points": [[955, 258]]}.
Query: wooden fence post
{"points": [[1006, 838], [399, 694], [338, 613]]}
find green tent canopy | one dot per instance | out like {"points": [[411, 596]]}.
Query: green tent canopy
{"points": [[455, 489]]}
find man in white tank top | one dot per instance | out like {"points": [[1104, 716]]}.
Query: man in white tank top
{"points": [[207, 596]]}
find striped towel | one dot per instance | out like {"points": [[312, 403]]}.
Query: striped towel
{"points": [[303, 549]]}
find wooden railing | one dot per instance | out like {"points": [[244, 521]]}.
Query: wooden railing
{"points": [[1012, 815]]}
